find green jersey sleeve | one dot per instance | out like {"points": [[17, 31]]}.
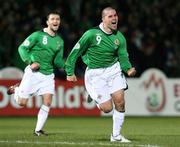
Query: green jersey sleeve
{"points": [[80, 47], [25, 47], [123, 55]]}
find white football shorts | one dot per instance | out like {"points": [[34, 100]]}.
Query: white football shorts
{"points": [[35, 83], [100, 83]]}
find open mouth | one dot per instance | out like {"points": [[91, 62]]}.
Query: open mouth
{"points": [[55, 25], [114, 22]]}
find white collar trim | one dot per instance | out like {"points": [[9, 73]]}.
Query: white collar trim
{"points": [[101, 27]]}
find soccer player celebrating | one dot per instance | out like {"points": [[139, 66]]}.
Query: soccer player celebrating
{"points": [[103, 50], [42, 51]]}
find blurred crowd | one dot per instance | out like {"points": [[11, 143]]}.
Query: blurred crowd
{"points": [[151, 28]]}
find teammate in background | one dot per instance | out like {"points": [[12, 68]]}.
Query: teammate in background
{"points": [[42, 51], [103, 50]]}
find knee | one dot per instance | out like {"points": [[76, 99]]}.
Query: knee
{"points": [[47, 100], [106, 108], [120, 106], [47, 103], [22, 103]]}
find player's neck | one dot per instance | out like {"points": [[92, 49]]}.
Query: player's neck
{"points": [[105, 29], [49, 31]]}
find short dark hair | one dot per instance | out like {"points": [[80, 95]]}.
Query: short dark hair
{"points": [[53, 12], [106, 9]]}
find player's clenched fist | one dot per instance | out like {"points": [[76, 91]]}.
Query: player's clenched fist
{"points": [[72, 78], [131, 72], [35, 66]]}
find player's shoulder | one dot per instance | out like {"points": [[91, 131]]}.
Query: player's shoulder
{"points": [[120, 34], [36, 33], [59, 36], [93, 30]]}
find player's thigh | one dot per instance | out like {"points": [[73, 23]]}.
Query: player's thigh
{"points": [[28, 84], [118, 82], [118, 100], [47, 85], [97, 88], [118, 96], [46, 90], [106, 106]]}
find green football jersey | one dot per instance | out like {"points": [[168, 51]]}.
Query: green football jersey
{"points": [[45, 49], [99, 50]]}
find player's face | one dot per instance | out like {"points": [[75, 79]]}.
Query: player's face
{"points": [[53, 22], [110, 20]]}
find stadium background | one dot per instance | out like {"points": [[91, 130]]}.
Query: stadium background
{"points": [[151, 28]]}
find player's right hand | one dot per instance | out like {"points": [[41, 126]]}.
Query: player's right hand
{"points": [[35, 66], [72, 78]]}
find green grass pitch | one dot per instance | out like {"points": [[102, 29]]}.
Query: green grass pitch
{"points": [[90, 132]]}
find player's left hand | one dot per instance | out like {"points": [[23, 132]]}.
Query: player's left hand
{"points": [[131, 72], [34, 66], [72, 78]]}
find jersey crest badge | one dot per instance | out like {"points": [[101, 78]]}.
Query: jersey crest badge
{"points": [[58, 44], [116, 42]]}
